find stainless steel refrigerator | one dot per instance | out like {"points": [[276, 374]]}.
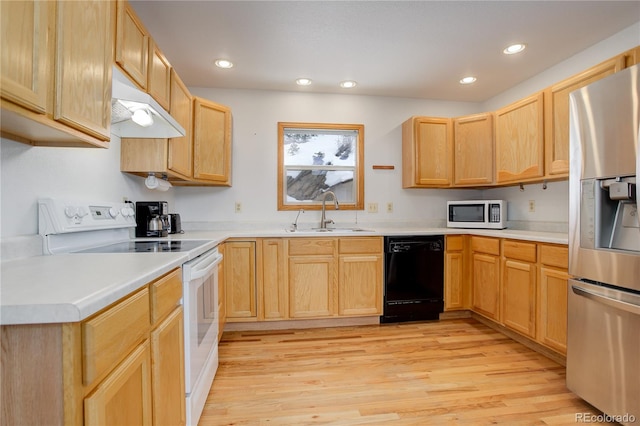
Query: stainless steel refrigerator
{"points": [[603, 330]]}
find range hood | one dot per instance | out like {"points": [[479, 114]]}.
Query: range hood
{"points": [[135, 114]]}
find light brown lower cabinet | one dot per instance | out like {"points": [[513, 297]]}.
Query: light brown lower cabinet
{"points": [[308, 278], [485, 276], [521, 285], [554, 282], [123, 365], [124, 397], [311, 286], [360, 276], [455, 280], [272, 263], [240, 280]]}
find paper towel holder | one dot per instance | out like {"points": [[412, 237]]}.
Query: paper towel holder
{"points": [[152, 182]]}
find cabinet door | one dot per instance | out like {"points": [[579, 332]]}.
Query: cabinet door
{"points": [[124, 397], [557, 114], [486, 285], [519, 140], [473, 150], [553, 308], [240, 276], [132, 44], [519, 296], [159, 81], [212, 142], [427, 152], [26, 69], [360, 285], [167, 354], [180, 159], [453, 281], [84, 57], [274, 280], [455, 290], [311, 286]]}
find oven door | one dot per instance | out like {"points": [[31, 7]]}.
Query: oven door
{"points": [[200, 278]]}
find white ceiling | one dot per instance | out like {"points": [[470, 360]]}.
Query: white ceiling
{"points": [[414, 49]]}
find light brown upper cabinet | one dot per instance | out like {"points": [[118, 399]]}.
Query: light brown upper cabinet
{"points": [[159, 76], [520, 141], [473, 145], [211, 142], [139, 56], [200, 158], [180, 160], [132, 44], [25, 64], [427, 152], [557, 114], [53, 54]]}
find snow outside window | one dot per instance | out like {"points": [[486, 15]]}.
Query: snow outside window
{"points": [[314, 158]]}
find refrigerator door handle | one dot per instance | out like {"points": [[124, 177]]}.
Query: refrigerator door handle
{"points": [[618, 304], [638, 175]]}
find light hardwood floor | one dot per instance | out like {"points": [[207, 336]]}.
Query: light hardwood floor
{"points": [[433, 373]]}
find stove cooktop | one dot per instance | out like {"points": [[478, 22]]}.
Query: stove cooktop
{"points": [[155, 246]]}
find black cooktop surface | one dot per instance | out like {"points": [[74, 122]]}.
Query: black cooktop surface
{"points": [[155, 246]]}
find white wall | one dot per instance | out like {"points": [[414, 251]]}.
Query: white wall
{"points": [[28, 173], [254, 178]]}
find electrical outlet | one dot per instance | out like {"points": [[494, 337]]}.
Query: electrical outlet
{"points": [[389, 207], [238, 206], [372, 207], [532, 206]]}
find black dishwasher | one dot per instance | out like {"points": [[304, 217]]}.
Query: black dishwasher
{"points": [[414, 278]]}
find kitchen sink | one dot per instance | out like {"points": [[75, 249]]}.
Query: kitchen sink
{"points": [[330, 230]]}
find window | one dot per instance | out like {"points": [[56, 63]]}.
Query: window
{"points": [[313, 158]]}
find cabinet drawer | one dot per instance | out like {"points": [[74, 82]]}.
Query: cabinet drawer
{"points": [[109, 336], [455, 242], [165, 295], [557, 256], [485, 245], [519, 250], [360, 245], [311, 246]]}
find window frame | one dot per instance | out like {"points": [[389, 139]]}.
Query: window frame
{"points": [[358, 203]]}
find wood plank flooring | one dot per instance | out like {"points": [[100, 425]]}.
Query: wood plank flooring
{"points": [[433, 373]]}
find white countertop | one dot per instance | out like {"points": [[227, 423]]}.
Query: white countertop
{"points": [[72, 287]]}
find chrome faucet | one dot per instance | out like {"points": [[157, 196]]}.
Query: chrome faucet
{"points": [[323, 218]]}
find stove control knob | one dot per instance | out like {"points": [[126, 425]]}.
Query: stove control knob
{"points": [[70, 211], [113, 212], [82, 212]]}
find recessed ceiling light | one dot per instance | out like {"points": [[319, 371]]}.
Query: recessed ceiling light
{"points": [[303, 81], [223, 63], [467, 80], [514, 48], [348, 84]]}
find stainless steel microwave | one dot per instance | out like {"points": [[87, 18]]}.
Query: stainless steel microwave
{"points": [[479, 214]]}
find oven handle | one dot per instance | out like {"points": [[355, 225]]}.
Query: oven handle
{"points": [[618, 304], [205, 271]]}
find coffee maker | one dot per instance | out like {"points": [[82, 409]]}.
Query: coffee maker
{"points": [[152, 219]]}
